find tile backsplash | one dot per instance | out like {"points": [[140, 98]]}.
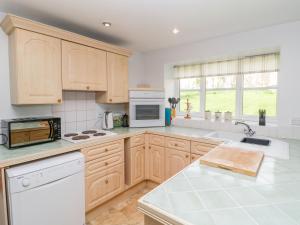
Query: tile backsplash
{"points": [[79, 111]]}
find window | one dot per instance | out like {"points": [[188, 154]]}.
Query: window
{"points": [[190, 89], [241, 86]]}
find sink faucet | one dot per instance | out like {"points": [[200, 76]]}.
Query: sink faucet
{"points": [[248, 131]]}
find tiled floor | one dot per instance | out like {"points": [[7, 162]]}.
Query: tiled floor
{"points": [[123, 213]]}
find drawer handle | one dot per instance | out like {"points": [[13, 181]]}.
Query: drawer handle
{"points": [[106, 150], [149, 147], [186, 156], [106, 181], [143, 147], [110, 100], [106, 163], [176, 144], [193, 157], [59, 100], [88, 87]]}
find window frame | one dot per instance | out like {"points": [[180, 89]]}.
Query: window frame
{"points": [[239, 115]]}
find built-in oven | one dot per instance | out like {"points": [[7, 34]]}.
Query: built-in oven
{"points": [[146, 109], [29, 131]]}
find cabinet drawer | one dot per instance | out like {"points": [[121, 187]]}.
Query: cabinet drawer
{"points": [[103, 186], [103, 163], [179, 144], [136, 140], [201, 148], [103, 150], [157, 140]]}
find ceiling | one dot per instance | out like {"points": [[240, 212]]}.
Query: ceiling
{"points": [[145, 25]]}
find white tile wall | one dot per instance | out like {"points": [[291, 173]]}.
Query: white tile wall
{"points": [[78, 111]]}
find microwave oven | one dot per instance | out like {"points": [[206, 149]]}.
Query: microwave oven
{"points": [[30, 131], [146, 109]]}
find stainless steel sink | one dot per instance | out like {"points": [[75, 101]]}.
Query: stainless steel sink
{"points": [[256, 141]]}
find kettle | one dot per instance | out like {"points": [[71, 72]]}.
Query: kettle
{"points": [[107, 121]]}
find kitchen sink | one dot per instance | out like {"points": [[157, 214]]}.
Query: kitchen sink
{"points": [[256, 141]]}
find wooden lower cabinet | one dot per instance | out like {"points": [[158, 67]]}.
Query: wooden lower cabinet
{"points": [[156, 159], [100, 187], [135, 165], [175, 161]]}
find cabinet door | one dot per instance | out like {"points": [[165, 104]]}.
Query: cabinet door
{"points": [[83, 68], [137, 164], [102, 186], [175, 161], [117, 77], [156, 163], [35, 68]]}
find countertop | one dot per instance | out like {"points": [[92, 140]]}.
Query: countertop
{"points": [[30, 153], [203, 195]]}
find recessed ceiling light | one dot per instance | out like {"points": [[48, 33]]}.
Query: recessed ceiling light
{"points": [[175, 31], [106, 24]]}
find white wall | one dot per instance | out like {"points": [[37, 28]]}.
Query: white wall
{"points": [[7, 110], [285, 37]]}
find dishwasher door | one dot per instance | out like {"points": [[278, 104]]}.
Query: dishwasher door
{"points": [[47, 192], [56, 203]]}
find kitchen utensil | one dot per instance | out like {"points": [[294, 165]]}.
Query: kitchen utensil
{"points": [[107, 121], [237, 160]]}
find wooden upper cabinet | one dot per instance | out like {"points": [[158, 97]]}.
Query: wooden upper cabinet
{"points": [[117, 80], [35, 66], [83, 68]]}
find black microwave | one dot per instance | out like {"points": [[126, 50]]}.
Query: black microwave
{"points": [[30, 131]]}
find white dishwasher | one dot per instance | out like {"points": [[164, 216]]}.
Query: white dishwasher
{"points": [[47, 192]]}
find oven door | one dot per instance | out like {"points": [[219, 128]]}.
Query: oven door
{"points": [[146, 112]]}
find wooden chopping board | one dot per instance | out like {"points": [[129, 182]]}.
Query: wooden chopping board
{"points": [[234, 159]]}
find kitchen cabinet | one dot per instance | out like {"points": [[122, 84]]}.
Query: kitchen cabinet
{"points": [[194, 157], [179, 144], [157, 140], [156, 158], [102, 186], [3, 203], [201, 147], [135, 165], [117, 80], [175, 161], [105, 175], [83, 68], [136, 140], [35, 67]]}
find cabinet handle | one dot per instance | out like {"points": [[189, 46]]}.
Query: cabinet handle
{"points": [[143, 147], [106, 150], [106, 181], [106, 163], [176, 144], [59, 100], [110, 100], [193, 157], [88, 87], [186, 156], [149, 147]]}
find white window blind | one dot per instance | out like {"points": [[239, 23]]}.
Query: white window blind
{"points": [[250, 64]]}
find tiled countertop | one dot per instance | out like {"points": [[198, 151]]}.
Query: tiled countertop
{"points": [[202, 195], [26, 154]]}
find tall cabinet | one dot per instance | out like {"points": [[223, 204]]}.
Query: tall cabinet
{"points": [[35, 66], [117, 80]]}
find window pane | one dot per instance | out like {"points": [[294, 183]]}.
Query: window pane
{"points": [[190, 83], [222, 101], [220, 82], [260, 99], [194, 98], [260, 80]]}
